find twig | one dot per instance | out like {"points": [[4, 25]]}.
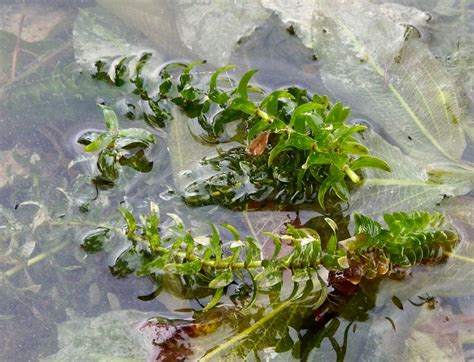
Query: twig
{"points": [[17, 47], [36, 55], [249, 224], [41, 61], [33, 260], [459, 257]]}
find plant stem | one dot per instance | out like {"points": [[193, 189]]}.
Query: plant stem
{"points": [[221, 264], [263, 115], [352, 175], [17, 48], [459, 257], [33, 260]]}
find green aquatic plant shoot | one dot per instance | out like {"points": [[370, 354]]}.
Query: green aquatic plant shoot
{"points": [[117, 148], [213, 262], [302, 137]]}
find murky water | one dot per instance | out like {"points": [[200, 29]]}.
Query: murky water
{"points": [[51, 289]]}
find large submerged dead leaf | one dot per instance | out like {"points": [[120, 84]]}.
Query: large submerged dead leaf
{"points": [[297, 13], [110, 336], [156, 19], [450, 37], [211, 29], [270, 331], [412, 185], [405, 91], [39, 20], [185, 150], [371, 57], [98, 34], [10, 168]]}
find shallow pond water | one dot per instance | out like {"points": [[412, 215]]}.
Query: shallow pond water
{"points": [[60, 303]]}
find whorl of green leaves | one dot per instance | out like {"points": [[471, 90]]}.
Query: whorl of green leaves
{"points": [[408, 239], [213, 262], [117, 148], [307, 127]]}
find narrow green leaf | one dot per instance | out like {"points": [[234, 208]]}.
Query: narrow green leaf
{"points": [[371, 162], [100, 142], [193, 64], [215, 299], [300, 141], [214, 93], [332, 327], [120, 70], [130, 143], [346, 131], [253, 250], [254, 292], [141, 63], [189, 268], [269, 277], [334, 176], [154, 266], [94, 241], [303, 109], [220, 119], [331, 245], [138, 134], [242, 89], [233, 230], [276, 242], [138, 161], [308, 288], [337, 114], [397, 302], [354, 148], [130, 219], [270, 102], [300, 275], [88, 137], [257, 128], [279, 148], [332, 224], [319, 158], [110, 118], [214, 77], [165, 71], [243, 105], [221, 280], [341, 190], [366, 225], [215, 241], [107, 164]]}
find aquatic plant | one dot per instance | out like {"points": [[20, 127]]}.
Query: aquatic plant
{"points": [[215, 263], [117, 148], [397, 82], [296, 147], [303, 138]]}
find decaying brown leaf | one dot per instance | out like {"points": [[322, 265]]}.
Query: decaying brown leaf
{"points": [[9, 168], [172, 339], [259, 144]]}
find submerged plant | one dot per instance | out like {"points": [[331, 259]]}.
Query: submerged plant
{"points": [[117, 148], [295, 147], [300, 140], [211, 262]]}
